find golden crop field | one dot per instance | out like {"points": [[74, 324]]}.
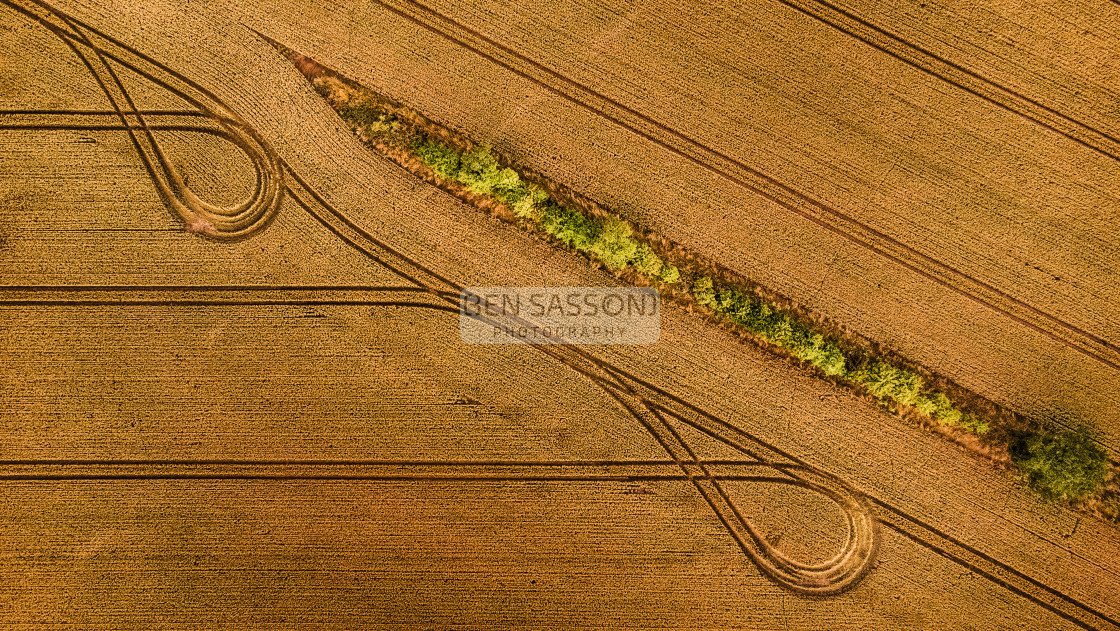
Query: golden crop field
{"points": [[971, 237], [233, 392]]}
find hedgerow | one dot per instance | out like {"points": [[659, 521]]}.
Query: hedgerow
{"points": [[609, 240], [771, 325], [1059, 465], [882, 380]]}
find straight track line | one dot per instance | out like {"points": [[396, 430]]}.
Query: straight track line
{"points": [[958, 76], [736, 172]]}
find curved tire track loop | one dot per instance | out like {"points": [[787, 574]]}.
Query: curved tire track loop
{"points": [[95, 49], [650, 405], [217, 222], [841, 572]]}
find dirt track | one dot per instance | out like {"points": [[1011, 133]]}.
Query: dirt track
{"points": [[348, 382]]}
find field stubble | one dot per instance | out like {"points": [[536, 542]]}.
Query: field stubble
{"points": [[996, 236], [426, 553]]}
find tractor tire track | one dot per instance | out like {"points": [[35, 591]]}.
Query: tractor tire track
{"points": [[224, 223], [958, 76], [644, 400], [896, 519], [740, 174]]}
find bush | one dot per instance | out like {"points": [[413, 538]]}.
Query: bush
{"points": [[1067, 464], [943, 410], [974, 424], [529, 205], [832, 361], [926, 405], [479, 170], [439, 157], [614, 244], [362, 111], [888, 382], [1110, 506], [334, 91], [646, 261], [738, 307], [703, 292], [818, 351], [507, 183], [569, 226], [510, 193], [670, 274]]}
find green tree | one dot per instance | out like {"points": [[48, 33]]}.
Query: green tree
{"points": [[482, 175], [1067, 464], [570, 226], [646, 261], [702, 290], [529, 205], [614, 244], [439, 157]]}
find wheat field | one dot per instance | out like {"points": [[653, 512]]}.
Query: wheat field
{"points": [[234, 393]]}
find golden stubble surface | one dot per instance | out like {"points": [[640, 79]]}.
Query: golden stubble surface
{"points": [[1002, 221], [183, 381]]}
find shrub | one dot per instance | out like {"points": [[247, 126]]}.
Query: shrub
{"points": [[529, 205], [703, 292], [506, 184], [780, 332], [926, 405], [951, 416], [614, 244], [738, 307], [755, 315], [943, 410], [646, 261], [1110, 506], [382, 126], [1067, 464], [439, 157], [818, 351], [479, 170], [974, 423], [511, 193], [362, 111], [832, 360], [569, 226], [336, 92], [888, 382]]}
